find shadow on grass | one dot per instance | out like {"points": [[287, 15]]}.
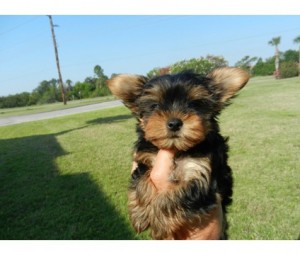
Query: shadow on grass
{"points": [[110, 119], [37, 203]]}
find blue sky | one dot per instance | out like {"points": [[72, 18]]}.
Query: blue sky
{"points": [[129, 43]]}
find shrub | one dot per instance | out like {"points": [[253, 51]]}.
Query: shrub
{"points": [[288, 69], [263, 68], [200, 65]]}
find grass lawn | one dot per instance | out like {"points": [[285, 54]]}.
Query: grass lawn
{"points": [[66, 178]]}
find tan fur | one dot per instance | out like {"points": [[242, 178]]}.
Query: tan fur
{"points": [[146, 158], [198, 92], [228, 81], [127, 88], [188, 168], [154, 93]]}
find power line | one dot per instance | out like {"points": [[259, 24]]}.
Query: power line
{"points": [[17, 26]]}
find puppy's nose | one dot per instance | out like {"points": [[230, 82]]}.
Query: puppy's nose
{"points": [[174, 124]]}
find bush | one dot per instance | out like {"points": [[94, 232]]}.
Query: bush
{"points": [[263, 68], [200, 65], [288, 69], [154, 72], [17, 100]]}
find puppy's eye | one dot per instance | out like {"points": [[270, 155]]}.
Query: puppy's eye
{"points": [[199, 105], [154, 106], [195, 104]]}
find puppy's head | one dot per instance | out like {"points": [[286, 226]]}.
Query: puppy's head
{"points": [[177, 111]]}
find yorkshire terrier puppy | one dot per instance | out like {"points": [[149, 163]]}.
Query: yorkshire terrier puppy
{"points": [[180, 112]]}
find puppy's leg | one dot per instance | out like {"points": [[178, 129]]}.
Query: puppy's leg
{"points": [[141, 191], [209, 228]]}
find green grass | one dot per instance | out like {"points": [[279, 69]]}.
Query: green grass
{"points": [[66, 178], [18, 111]]}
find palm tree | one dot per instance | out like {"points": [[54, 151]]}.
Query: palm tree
{"points": [[69, 84], [275, 42], [297, 40], [98, 71]]}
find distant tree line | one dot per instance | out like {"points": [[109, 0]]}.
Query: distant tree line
{"points": [[49, 91], [287, 63], [288, 67], [281, 65]]}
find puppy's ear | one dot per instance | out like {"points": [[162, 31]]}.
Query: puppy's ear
{"points": [[226, 82], [128, 88]]}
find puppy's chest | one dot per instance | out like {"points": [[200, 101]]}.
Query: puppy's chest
{"points": [[188, 168]]}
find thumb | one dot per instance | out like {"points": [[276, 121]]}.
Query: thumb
{"points": [[162, 168]]}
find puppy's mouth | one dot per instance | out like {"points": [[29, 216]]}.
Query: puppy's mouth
{"points": [[174, 135]]}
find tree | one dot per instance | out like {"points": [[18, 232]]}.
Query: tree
{"points": [[82, 90], [290, 55], [154, 72], [69, 89], [98, 71], [297, 40], [43, 87], [288, 69], [69, 84], [263, 68], [202, 65], [217, 61], [246, 63], [199, 65], [113, 75], [90, 80], [275, 42], [17, 100], [100, 83]]}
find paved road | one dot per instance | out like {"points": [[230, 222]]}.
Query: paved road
{"points": [[5, 121]]}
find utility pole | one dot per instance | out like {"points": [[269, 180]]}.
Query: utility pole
{"points": [[57, 62]]}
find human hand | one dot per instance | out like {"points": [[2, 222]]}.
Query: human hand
{"points": [[162, 168]]}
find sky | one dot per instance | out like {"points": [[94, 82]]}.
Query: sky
{"points": [[128, 43]]}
